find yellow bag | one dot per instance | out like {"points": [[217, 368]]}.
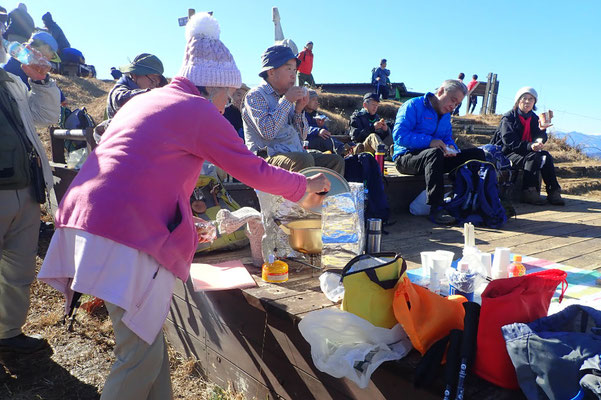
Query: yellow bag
{"points": [[369, 282]]}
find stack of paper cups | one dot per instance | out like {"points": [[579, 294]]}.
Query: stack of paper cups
{"points": [[500, 263], [486, 259], [437, 270]]}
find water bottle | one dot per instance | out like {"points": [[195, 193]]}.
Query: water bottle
{"points": [[380, 152], [23, 54]]}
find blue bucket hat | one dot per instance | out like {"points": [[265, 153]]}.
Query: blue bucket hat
{"points": [[275, 57], [48, 40]]}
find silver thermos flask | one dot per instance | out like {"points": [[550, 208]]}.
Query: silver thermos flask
{"points": [[374, 235]]}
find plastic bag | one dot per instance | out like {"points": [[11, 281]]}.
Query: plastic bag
{"points": [[345, 345], [419, 206], [77, 157], [331, 286]]}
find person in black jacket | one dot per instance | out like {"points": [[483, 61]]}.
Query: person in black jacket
{"points": [[56, 32], [368, 128], [20, 25], [522, 137]]}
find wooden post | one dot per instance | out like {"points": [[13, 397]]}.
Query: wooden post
{"points": [[191, 12], [493, 95], [484, 109]]}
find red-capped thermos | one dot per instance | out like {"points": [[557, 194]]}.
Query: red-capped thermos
{"points": [[380, 156]]}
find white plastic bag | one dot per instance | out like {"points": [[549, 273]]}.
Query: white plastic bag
{"points": [[419, 206], [345, 345], [76, 158], [331, 286]]}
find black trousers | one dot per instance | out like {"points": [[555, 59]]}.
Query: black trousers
{"points": [[432, 163], [531, 164]]}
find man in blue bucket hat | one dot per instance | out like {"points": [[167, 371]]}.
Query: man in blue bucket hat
{"points": [[273, 116]]}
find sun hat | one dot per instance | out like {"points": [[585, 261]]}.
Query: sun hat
{"points": [[523, 91], [313, 94], [207, 61], [144, 64], [275, 57], [48, 40]]}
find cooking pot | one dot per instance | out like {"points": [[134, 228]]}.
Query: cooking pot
{"points": [[304, 235]]}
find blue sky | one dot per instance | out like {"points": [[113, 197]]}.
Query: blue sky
{"points": [[551, 45]]}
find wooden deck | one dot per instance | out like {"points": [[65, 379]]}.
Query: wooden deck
{"points": [[249, 338]]}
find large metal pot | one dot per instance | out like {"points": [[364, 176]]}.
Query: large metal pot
{"points": [[304, 235]]}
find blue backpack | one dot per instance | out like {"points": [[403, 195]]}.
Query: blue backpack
{"points": [[476, 197], [364, 168]]}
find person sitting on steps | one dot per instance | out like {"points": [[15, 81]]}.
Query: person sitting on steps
{"points": [[522, 136], [368, 128]]}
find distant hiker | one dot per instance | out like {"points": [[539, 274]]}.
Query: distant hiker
{"points": [[306, 66], [368, 128], [20, 25], [233, 112], [115, 73], [56, 32], [460, 78], [319, 137], [144, 73], [125, 231], [3, 16], [473, 99], [26, 184], [273, 116], [380, 80], [44, 43], [423, 142], [522, 137]]}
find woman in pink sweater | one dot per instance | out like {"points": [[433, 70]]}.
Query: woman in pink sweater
{"points": [[125, 229]]}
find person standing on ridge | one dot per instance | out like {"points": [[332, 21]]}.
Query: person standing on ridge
{"points": [[306, 66]]}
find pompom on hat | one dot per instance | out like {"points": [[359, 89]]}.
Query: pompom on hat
{"points": [[207, 62], [523, 91]]}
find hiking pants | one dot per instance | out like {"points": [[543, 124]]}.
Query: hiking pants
{"points": [[473, 100], [296, 161], [19, 232], [305, 78], [432, 163], [373, 140], [531, 164], [382, 90], [140, 371]]}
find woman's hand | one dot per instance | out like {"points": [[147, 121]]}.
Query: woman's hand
{"points": [[537, 146], [318, 184]]}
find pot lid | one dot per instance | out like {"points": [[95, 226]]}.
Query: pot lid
{"points": [[337, 182]]}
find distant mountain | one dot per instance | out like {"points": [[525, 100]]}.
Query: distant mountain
{"points": [[590, 144]]}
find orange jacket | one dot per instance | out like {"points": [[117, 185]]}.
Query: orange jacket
{"points": [[306, 57]]}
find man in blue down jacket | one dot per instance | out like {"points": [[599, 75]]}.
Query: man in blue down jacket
{"points": [[423, 142]]}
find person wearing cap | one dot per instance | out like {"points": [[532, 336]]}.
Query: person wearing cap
{"points": [[423, 143], [56, 32], [115, 73], [368, 128], [522, 137], [144, 73], [273, 116], [20, 25], [232, 111], [125, 230], [25, 184], [306, 66], [380, 80], [45, 44], [319, 137]]}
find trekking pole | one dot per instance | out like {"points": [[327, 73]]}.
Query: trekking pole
{"points": [[468, 343], [452, 367]]}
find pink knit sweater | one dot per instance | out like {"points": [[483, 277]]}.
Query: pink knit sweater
{"points": [[140, 177]]}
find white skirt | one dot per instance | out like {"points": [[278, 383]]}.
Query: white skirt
{"points": [[78, 261]]}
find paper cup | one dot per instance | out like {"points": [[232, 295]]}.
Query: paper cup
{"points": [[426, 257], [486, 259], [500, 262], [439, 264], [448, 256]]}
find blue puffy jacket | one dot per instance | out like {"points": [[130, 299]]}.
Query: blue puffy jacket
{"points": [[417, 123]]}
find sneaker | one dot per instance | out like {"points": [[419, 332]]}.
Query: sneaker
{"points": [[442, 217], [23, 344], [554, 197], [531, 196]]}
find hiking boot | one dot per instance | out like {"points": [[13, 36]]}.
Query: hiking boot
{"points": [[442, 217], [554, 197], [531, 196], [23, 344], [509, 208]]}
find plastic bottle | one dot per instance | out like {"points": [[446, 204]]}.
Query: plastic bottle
{"points": [[380, 152], [516, 268], [306, 144], [23, 54], [274, 270]]}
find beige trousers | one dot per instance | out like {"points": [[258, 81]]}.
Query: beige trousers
{"points": [[295, 161], [372, 141], [19, 231], [140, 371]]}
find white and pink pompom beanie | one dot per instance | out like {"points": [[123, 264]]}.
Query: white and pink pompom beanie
{"points": [[207, 61]]}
